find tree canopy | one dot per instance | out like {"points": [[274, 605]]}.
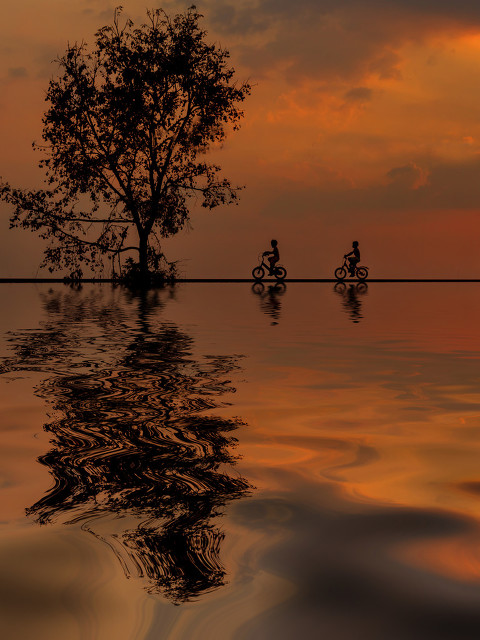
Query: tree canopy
{"points": [[125, 140]]}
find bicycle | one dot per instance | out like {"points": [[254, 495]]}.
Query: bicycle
{"points": [[360, 272], [341, 287], [278, 272]]}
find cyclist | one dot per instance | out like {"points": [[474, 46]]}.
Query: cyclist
{"points": [[355, 259], [274, 255]]}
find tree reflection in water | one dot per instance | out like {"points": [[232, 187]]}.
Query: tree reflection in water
{"points": [[133, 438]]}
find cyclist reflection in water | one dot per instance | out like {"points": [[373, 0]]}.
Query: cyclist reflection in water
{"points": [[274, 255], [269, 299], [355, 259], [351, 301]]}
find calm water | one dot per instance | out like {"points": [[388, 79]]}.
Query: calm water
{"points": [[222, 462]]}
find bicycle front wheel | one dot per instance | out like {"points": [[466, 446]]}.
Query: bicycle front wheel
{"points": [[362, 273], [258, 287], [258, 273], [340, 273], [280, 273]]}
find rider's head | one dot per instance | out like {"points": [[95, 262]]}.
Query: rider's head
{"points": [[354, 244], [273, 243]]}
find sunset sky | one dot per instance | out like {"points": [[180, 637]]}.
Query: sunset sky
{"points": [[363, 124]]}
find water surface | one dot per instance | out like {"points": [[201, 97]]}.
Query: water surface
{"points": [[221, 461]]}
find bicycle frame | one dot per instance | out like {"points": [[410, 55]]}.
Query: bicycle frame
{"points": [[346, 265], [267, 266], [278, 271], [359, 270]]}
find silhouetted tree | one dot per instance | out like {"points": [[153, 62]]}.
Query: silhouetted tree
{"points": [[126, 133]]}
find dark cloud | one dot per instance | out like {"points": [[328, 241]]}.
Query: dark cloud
{"points": [[467, 11], [46, 57], [325, 39], [262, 14], [17, 72], [235, 20], [386, 66], [359, 94], [470, 487], [455, 185], [407, 177], [426, 185]]}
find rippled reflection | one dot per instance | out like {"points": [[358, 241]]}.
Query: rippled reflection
{"points": [[134, 443], [269, 298], [351, 298]]}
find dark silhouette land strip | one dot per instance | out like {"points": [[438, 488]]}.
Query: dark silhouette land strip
{"points": [[213, 280]]}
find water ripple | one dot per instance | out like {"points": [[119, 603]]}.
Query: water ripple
{"points": [[133, 435]]}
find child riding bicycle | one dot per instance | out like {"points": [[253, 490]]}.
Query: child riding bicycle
{"points": [[274, 255], [355, 259]]}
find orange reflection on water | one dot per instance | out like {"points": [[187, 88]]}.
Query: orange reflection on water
{"points": [[458, 558], [359, 445]]}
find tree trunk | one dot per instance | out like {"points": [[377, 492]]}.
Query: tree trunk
{"points": [[143, 258]]}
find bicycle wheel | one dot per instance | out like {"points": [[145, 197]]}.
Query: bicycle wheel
{"points": [[258, 287], [362, 273], [258, 273], [280, 273], [339, 287], [362, 287], [340, 273]]}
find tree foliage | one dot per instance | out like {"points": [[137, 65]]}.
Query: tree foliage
{"points": [[125, 140]]}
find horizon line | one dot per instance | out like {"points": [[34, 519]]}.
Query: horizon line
{"points": [[235, 280]]}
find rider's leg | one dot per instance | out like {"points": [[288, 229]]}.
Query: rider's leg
{"points": [[272, 262]]}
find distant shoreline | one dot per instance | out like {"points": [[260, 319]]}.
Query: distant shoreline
{"points": [[233, 280]]}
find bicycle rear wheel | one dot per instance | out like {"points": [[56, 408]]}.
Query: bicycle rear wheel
{"points": [[362, 273], [280, 273], [340, 273], [258, 273]]}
